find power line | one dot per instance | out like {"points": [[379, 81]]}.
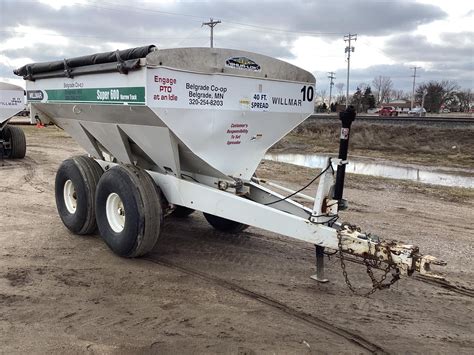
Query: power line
{"points": [[348, 38], [229, 23], [373, 46], [94, 36], [188, 37], [266, 29], [119, 7]]}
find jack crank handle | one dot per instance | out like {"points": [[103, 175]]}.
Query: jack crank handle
{"points": [[346, 117]]}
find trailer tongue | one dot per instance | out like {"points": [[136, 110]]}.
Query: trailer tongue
{"points": [[179, 130]]}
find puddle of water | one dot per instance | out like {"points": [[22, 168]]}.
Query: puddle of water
{"points": [[421, 174]]}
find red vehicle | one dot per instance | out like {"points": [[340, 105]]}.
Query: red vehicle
{"points": [[388, 111]]}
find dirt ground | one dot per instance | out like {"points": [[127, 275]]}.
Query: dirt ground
{"points": [[203, 291]]}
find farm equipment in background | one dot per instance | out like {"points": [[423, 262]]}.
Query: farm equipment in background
{"points": [[12, 139]]}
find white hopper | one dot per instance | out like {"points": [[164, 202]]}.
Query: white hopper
{"points": [[12, 101], [192, 123], [221, 116]]}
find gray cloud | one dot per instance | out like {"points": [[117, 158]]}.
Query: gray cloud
{"points": [[144, 22], [401, 76], [456, 48], [5, 71], [267, 27], [451, 59]]}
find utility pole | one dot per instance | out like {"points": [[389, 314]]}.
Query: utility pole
{"points": [[211, 24], [413, 93], [421, 113], [331, 84], [349, 38]]}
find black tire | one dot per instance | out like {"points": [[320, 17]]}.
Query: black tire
{"points": [[17, 139], [182, 212], [143, 212], [225, 225], [84, 173]]}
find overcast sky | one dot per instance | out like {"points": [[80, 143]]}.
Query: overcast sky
{"points": [[392, 36]]}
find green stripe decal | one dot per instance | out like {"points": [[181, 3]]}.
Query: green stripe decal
{"points": [[132, 95]]}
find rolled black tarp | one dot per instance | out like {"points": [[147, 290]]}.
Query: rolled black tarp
{"points": [[98, 58]]}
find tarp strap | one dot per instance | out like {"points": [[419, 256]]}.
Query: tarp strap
{"points": [[120, 63], [67, 69]]}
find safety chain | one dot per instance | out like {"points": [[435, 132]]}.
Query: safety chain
{"points": [[376, 284]]}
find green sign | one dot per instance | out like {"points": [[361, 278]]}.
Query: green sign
{"points": [[130, 95]]}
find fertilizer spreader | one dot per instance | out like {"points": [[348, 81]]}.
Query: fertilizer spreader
{"points": [[179, 130]]}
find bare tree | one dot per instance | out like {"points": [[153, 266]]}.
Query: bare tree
{"points": [[363, 86], [437, 93], [340, 92], [322, 94], [382, 87], [399, 95], [465, 98], [450, 88]]}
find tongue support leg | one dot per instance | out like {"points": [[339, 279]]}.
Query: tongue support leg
{"points": [[319, 276]]}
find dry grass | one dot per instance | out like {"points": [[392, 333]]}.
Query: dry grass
{"points": [[301, 175], [427, 145]]}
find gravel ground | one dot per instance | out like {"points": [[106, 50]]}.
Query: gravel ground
{"points": [[203, 291]]}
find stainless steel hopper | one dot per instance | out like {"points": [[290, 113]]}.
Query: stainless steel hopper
{"points": [[183, 130]]}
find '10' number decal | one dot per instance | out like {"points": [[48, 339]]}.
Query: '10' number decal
{"points": [[308, 93]]}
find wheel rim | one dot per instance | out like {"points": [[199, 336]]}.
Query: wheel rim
{"points": [[115, 212], [70, 197]]}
